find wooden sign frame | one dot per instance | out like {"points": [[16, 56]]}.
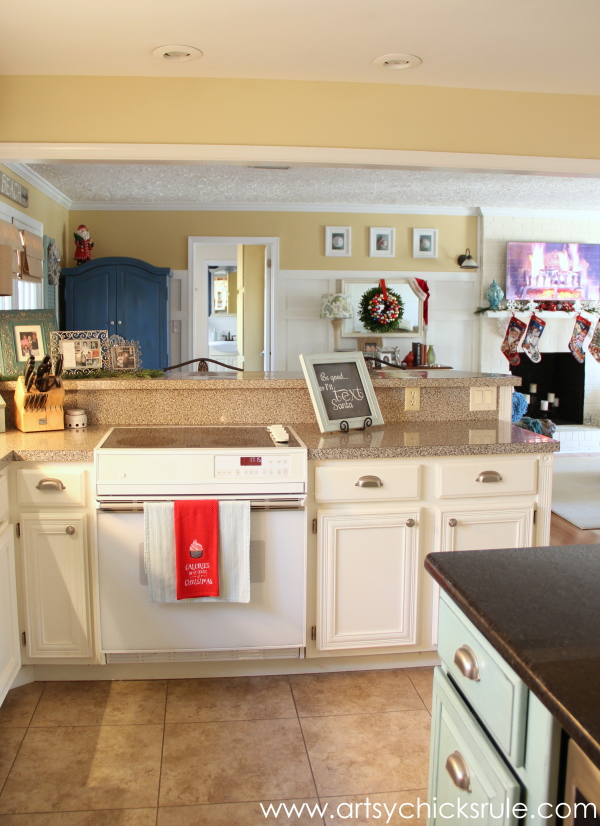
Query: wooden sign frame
{"points": [[321, 380]]}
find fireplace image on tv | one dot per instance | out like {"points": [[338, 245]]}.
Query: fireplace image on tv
{"points": [[548, 271]]}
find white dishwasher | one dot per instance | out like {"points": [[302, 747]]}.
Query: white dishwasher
{"points": [[134, 465]]}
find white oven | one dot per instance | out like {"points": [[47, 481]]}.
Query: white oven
{"points": [[132, 467]]}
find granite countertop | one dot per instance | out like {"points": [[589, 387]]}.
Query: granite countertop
{"points": [[540, 609], [472, 438]]}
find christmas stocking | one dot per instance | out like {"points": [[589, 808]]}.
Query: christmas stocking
{"points": [[532, 338], [580, 331], [594, 347], [514, 333]]}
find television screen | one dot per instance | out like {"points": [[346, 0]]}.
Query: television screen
{"points": [[548, 271]]}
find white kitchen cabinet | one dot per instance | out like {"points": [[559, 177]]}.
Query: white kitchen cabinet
{"points": [[10, 657], [485, 528], [56, 563], [367, 579]]}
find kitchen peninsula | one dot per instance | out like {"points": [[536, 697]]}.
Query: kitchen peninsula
{"points": [[454, 475]]}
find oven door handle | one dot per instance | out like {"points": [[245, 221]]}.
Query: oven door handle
{"points": [[255, 505]]}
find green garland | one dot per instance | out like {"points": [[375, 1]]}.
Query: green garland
{"points": [[393, 310]]}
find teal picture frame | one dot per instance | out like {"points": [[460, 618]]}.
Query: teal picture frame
{"points": [[18, 322]]}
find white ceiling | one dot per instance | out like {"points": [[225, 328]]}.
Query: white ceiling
{"points": [[95, 185], [519, 45]]}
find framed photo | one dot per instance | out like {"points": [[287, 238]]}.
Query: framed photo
{"points": [[82, 350], [425, 243], [24, 333], [125, 356], [337, 241], [341, 391], [382, 242]]}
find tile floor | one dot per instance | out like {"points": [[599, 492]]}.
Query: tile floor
{"points": [[207, 752]]}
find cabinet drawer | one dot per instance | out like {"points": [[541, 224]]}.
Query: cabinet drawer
{"points": [[493, 689], [51, 488], [488, 476], [460, 744], [339, 484]]}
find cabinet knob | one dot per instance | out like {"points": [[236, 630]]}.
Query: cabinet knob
{"points": [[119, 322], [410, 523], [489, 476], [453, 523], [457, 768], [112, 323], [466, 662], [369, 482], [70, 530], [50, 484]]}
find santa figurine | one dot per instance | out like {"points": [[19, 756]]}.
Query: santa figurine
{"points": [[83, 245]]}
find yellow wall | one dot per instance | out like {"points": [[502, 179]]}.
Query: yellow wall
{"points": [[161, 237], [53, 216], [298, 113]]}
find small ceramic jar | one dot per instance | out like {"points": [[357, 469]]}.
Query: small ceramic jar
{"points": [[75, 418]]}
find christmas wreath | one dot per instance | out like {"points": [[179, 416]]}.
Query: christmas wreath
{"points": [[381, 309]]}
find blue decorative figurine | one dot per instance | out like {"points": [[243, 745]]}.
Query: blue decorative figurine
{"points": [[494, 295]]}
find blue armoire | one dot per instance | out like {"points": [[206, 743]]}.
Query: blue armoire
{"points": [[125, 296]]}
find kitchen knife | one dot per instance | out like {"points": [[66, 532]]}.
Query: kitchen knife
{"points": [[42, 371], [30, 381], [58, 370], [29, 365]]}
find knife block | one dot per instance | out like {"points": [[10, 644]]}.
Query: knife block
{"points": [[49, 417]]}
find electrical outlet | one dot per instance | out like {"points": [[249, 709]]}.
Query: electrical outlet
{"points": [[412, 398]]}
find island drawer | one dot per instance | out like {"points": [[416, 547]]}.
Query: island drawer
{"points": [[491, 687], [51, 487], [488, 476], [382, 481]]}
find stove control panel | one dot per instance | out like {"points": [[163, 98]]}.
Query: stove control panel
{"points": [[277, 466]]}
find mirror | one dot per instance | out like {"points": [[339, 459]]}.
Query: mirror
{"points": [[223, 291], [411, 323]]}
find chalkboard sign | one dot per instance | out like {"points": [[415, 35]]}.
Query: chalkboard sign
{"points": [[341, 390]]}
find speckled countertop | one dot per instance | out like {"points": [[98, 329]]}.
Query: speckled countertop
{"points": [[540, 610], [392, 440]]}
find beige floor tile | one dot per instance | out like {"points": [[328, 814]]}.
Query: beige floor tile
{"points": [[19, 704], [234, 762], [10, 740], [353, 809], [422, 679], [115, 817], [102, 703], [239, 698], [368, 753], [354, 692], [238, 814], [84, 768]]}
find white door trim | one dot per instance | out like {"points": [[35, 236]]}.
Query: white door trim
{"points": [[272, 244]]}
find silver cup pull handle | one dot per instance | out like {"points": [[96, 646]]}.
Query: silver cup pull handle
{"points": [[457, 768], [489, 476], [369, 482], [466, 662], [50, 484]]}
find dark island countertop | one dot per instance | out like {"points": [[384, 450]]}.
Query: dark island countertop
{"points": [[540, 609]]}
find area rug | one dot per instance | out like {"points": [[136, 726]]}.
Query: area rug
{"points": [[576, 490]]}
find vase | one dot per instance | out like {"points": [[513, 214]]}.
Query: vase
{"points": [[494, 295], [430, 355]]}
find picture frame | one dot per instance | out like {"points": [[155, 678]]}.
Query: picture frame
{"points": [[369, 347], [382, 242], [341, 391], [425, 243], [125, 356], [24, 333], [83, 351], [338, 241]]}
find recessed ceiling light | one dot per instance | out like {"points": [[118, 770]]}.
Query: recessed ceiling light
{"points": [[397, 61], [177, 53]]}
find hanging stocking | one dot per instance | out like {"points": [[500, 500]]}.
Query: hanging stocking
{"points": [[514, 333], [580, 331], [594, 346], [531, 342]]}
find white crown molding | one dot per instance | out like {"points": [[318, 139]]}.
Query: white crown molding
{"points": [[523, 212], [17, 152], [386, 209], [40, 183]]}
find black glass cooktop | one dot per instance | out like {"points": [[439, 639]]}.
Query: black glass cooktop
{"points": [[177, 438]]}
